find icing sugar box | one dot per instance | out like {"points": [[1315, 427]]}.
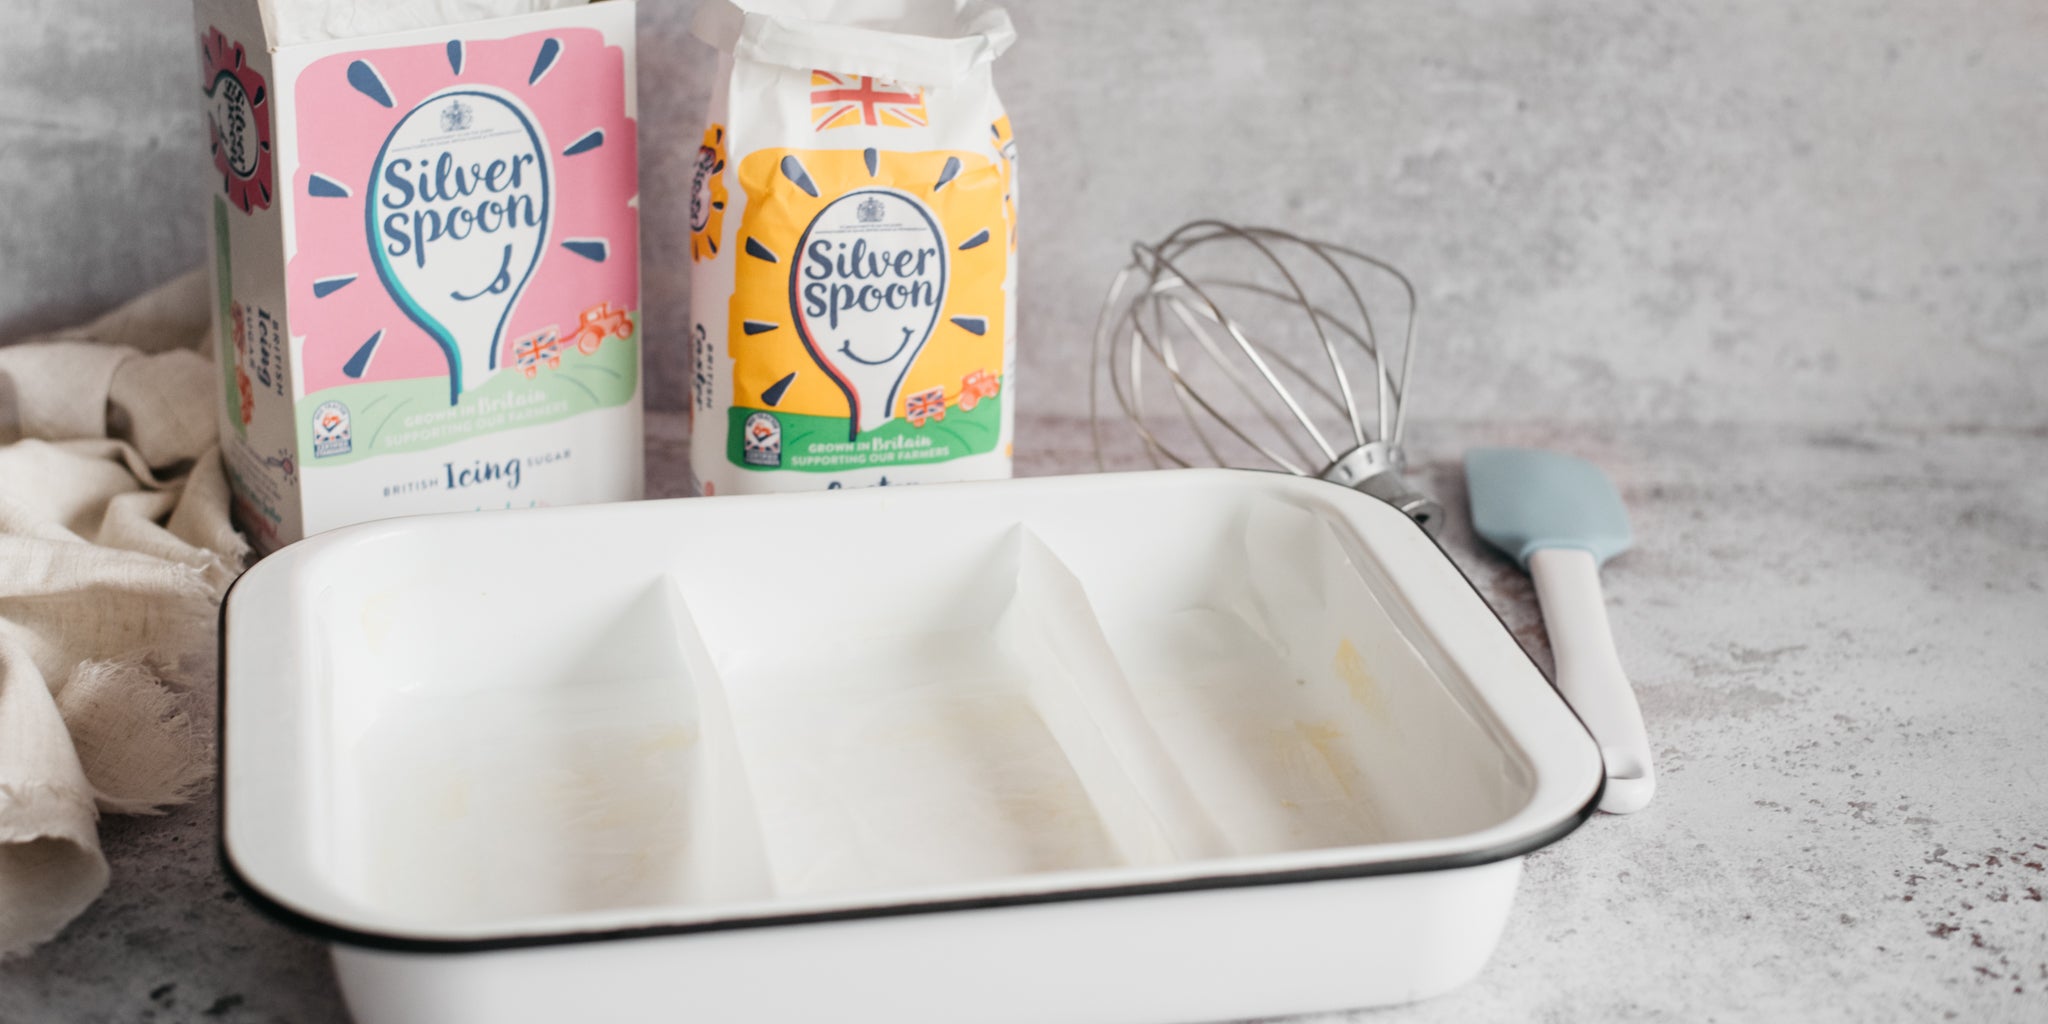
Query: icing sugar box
{"points": [[426, 264]]}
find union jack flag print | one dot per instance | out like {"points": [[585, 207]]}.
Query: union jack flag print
{"points": [[925, 405], [843, 101], [542, 347]]}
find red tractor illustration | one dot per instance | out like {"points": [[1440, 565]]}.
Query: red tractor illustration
{"points": [[976, 386]]}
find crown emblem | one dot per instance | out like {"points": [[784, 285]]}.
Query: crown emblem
{"points": [[870, 210], [456, 116]]}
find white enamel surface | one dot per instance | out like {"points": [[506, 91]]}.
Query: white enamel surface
{"points": [[1223, 954], [707, 710]]}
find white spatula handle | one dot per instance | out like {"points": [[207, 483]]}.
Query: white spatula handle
{"points": [[1589, 672]]}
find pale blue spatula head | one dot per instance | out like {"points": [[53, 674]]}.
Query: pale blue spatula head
{"points": [[1525, 500]]}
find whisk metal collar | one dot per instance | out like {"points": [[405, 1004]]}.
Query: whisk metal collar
{"points": [[1375, 468]]}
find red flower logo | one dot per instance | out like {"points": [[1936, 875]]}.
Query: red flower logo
{"points": [[238, 122]]}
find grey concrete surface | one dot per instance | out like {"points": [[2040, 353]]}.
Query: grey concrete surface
{"points": [[1749, 210], [1837, 640], [1782, 268]]}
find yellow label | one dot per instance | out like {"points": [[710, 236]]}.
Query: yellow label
{"points": [[869, 285]]}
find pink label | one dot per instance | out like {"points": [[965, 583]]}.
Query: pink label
{"points": [[451, 199]]}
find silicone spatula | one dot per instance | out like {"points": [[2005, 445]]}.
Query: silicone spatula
{"points": [[1561, 518]]}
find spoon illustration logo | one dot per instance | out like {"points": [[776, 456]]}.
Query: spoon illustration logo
{"points": [[865, 293], [457, 216]]}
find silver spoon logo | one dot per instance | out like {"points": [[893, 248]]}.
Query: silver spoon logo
{"points": [[233, 114], [458, 213], [866, 291]]}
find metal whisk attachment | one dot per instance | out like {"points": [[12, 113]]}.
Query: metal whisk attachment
{"points": [[1251, 346]]}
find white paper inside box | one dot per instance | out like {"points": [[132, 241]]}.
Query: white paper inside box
{"points": [[665, 721], [426, 263]]}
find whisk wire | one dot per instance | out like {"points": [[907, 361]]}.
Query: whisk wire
{"points": [[1255, 237], [1146, 342], [1393, 434], [1165, 323], [1308, 379], [1317, 316], [1182, 397], [1244, 345], [1388, 389], [1186, 312], [1131, 401]]}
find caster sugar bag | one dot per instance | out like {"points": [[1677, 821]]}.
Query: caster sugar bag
{"points": [[853, 225]]}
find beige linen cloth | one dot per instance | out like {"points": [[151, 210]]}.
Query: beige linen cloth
{"points": [[115, 548]]}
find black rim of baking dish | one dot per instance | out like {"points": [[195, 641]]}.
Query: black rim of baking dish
{"points": [[331, 932]]}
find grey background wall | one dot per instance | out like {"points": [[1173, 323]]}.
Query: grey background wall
{"points": [[1810, 214]]}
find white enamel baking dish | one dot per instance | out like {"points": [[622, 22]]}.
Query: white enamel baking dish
{"points": [[1183, 746]]}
